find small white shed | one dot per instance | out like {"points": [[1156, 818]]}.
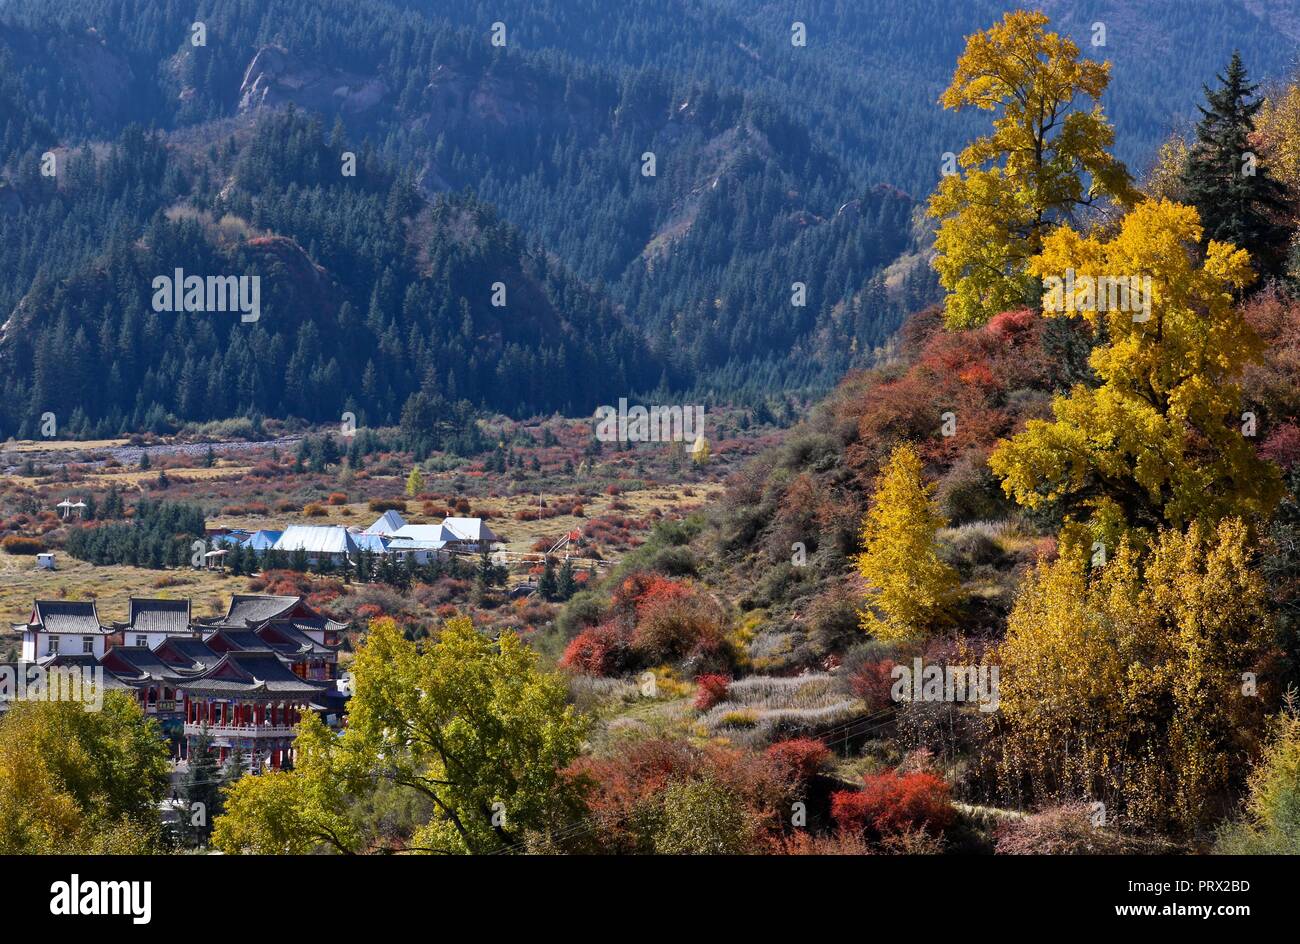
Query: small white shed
{"points": [[45, 561]]}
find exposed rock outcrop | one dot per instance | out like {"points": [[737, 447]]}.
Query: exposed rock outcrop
{"points": [[277, 77]]}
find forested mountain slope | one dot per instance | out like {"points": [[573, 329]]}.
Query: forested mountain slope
{"points": [[773, 164]]}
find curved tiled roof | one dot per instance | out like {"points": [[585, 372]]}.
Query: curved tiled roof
{"points": [[159, 616], [68, 616], [253, 673], [247, 608]]}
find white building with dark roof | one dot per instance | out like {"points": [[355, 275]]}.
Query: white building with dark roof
{"points": [[150, 621], [62, 627]]}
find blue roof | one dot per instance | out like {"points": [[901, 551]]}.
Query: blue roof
{"points": [[263, 540], [370, 542]]}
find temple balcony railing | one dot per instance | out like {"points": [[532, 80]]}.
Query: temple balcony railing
{"points": [[242, 730]]}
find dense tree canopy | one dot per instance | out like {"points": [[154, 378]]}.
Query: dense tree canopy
{"points": [[1164, 440], [468, 723]]}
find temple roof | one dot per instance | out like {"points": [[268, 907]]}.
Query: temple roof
{"points": [[141, 664], [159, 616], [187, 654], [248, 608], [68, 616], [287, 636], [248, 673], [226, 639]]}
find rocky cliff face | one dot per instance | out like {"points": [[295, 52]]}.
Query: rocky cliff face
{"points": [[276, 77]]}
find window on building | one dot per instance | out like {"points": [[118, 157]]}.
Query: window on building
{"points": [[87, 643], [54, 645], [142, 641]]}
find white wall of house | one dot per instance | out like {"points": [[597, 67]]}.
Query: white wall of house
{"points": [[38, 645], [153, 640]]}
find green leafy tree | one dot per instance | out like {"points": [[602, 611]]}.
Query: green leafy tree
{"points": [[467, 723], [74, 781]]}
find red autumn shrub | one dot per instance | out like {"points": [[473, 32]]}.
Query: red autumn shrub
{"points": [[1283, 446], [710, 689], [873, 682], [17, 544], [369, 611], [625, 790], [673, 621], [889, 804], [337, 498], [801, 758], [386, 504], [597, 650], [315, 510]]}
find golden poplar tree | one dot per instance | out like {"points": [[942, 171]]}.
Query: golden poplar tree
{"points": [[914, 591], [1161, 441], [1125, 683], [1045, 161]]}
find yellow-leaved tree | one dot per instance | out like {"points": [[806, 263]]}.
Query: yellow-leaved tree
{"points": [[1278, 130], [1161, 441], [915, 591], [1045, 162], [1125, 683]]}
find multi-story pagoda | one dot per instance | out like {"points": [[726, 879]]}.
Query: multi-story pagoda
{"points": [[249, 701]]}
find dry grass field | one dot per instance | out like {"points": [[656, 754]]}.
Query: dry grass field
{"points": [[672, 501], [21, 582], [56, 445]]}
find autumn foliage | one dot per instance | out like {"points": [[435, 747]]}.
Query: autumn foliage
{"points": [[891, 803]]}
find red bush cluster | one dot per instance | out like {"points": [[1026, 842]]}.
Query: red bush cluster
{"points": [[872, 682], [800, 758], [597, 650], [710, 689], [890, 803]]}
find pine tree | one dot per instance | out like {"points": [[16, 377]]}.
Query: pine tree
{"points": [[201, 791], [547, 586], [915, 591], [567, 583], [1236, 195]]}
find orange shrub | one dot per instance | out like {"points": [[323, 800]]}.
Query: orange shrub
{"points": [[17, 544]]}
